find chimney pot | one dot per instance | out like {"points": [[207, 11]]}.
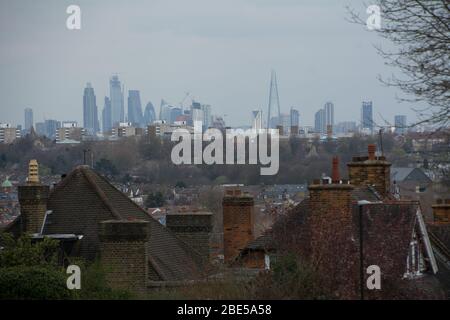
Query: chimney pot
{"points": [[335, 173], [371, 149]]}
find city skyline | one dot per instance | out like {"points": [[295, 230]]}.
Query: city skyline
{"points": [[226, 66]]}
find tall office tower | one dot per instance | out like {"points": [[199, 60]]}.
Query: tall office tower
{"points": [[116, 96], [51, 126], [319, 121], [135, 109], [40, 128], [285, 121], [175, 112], [328, 114], [367, 117], [295, 117], [207, 117], [149, 114], [90, 115], [106, 116], [196, 113], [28, 123], [164, 111], [257, 121], [274, 102], [400, 124]]}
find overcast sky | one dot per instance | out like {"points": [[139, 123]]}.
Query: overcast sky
{"points": [[220, 51]]}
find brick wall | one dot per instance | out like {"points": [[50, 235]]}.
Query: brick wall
{"points": [[194, 229], [33, 205], [441, 211], [237, 223], [124, 255], [254, 260]]}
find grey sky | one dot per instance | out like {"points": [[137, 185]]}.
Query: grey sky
{"points": [[220, 51]]}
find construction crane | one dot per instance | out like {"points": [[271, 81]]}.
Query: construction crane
{"points": [[184, 99]]}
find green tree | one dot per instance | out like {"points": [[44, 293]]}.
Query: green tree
{"points": [[155, 199]]}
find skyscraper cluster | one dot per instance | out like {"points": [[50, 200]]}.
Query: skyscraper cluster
{"points": [[324, 118]]}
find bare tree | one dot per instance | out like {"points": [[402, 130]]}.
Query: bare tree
{"points": [[420, 32]]}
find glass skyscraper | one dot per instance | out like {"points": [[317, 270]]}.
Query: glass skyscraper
{"points": [[90, 114], [329, 115], [319, 121], [135, 109], [400, 124], [116, 96], [106, 116], [295, 117], [149, 114], [28, 123], [367, 116]]}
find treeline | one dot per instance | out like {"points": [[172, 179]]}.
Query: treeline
{"points": [[148, 160]]}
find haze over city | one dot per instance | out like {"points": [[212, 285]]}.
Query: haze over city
{"points": [[220, 52]]}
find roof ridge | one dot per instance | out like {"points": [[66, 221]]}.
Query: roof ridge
{"points": [[99, 192]]}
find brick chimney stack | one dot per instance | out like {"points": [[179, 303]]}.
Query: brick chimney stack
{"points": [[124, 251], [330, 229], [237, 222], [33, 201], [371, 148], [194, 228], [371, 171]]}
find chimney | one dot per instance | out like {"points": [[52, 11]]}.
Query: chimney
{"points": [[33, 201], [441, 211], [123, 251], [237, 222], [330, 230], [335, 173], [194, 228], [371, 148], [371, 171]]}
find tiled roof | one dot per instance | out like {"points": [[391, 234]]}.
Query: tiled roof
{"points": [[84, 198]]}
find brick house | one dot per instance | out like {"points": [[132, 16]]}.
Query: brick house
{"points": [[93, 219], [345, 226]]}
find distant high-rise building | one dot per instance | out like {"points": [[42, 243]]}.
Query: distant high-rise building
{"points": [[400, 124], [51, 126], [90, 113], [135, 109], [295, 117], [8, 133], [257, 120], [274, 102], [175, 112], [116, 97], [164, 111], [367, 116], [285, 122], [149, 114], [106, 116], [196, 112], [207, 117], [328, 114], [345, 127], [319, 121], [28, 123], [40, 128]]}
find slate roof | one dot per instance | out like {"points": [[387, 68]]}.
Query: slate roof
{"points": [[414, 174], [84, 198]]}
